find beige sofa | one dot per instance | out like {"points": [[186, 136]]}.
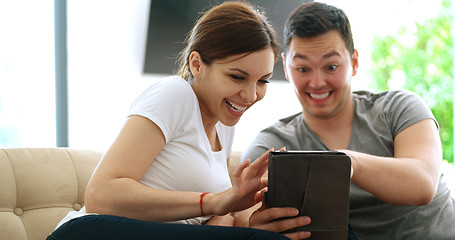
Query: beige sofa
{"points": [[39, 186]]}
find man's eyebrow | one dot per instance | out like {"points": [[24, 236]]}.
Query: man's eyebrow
{"points": [[331, 54], [325, 56], [301, 56], [246, 74]]}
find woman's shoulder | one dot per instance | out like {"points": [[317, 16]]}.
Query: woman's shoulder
{"points": [[166, 89], [174, 83], [171, 94]]}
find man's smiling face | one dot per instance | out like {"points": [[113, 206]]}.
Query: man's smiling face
{"points": [[320, 69]]}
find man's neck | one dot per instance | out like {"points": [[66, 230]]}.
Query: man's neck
{"points": [[334, 131]]}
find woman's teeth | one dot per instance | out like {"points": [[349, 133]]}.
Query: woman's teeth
{"points": [[319, 96], [234, 107]]}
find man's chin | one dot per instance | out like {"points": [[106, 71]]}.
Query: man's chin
{"points": [[319, 113]]}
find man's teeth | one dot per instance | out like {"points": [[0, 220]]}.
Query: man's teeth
{"points": [[320, 96], [235, 107]]}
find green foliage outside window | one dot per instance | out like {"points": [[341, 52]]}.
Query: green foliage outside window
{"points": [[421, 61]]}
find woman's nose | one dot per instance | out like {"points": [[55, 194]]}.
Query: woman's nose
{"points": [[249, 93]]}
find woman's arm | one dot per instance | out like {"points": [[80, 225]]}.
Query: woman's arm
{"points": [[115, 188]]}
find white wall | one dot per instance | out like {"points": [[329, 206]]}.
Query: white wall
{"points": [[106, 45], [106, 42], [27, 89]]}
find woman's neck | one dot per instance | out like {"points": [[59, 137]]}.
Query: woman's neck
{"points": [[209, 124]]}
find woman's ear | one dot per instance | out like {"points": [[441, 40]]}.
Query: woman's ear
{"points": [[195, 62]]}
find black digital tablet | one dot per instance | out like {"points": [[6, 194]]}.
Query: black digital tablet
{"points": [[315, 182]]}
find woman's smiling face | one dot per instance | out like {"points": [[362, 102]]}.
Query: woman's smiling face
{"points": [[228, 87]]}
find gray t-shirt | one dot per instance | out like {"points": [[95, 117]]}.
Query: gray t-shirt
{"points": [[378, 118]]}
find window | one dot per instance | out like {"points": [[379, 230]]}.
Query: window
{"points": [[27, 96], [106, 51]]}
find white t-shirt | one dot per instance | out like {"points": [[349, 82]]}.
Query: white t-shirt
{"points": [[187, 162]]}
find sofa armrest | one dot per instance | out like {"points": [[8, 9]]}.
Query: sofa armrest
{"points": [[39, 186]]}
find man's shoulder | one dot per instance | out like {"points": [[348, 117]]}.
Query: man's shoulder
{"points": [[388, 94], [290, 122], [369, 99], [284, 132]]}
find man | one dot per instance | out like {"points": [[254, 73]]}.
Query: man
{"points": [[397, 190]]}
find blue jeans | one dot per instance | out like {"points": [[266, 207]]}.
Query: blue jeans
{"points": [[120, 228]]}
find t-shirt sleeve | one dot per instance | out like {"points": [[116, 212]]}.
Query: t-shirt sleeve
{"points": [[256, 148], [167, 103], [405, 108], [270, 137]]}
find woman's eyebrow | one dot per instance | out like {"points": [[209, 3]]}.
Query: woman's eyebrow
{"points": [[240, 70], [268, 75], [246, 74]]}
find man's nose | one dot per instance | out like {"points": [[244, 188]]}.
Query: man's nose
{"points": [[317, 79]]}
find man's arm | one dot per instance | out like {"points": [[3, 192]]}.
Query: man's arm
{"points": [[411, 176]]}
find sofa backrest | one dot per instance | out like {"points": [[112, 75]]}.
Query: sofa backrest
{"points": [[39, 186]]}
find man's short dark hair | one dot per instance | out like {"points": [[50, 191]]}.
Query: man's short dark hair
{"points": [[315, 18]]}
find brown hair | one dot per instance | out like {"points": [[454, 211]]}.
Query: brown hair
{"points": [[228, 29], [314, 19]]}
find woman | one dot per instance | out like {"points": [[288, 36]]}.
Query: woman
{"points": [[168, 163]]}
